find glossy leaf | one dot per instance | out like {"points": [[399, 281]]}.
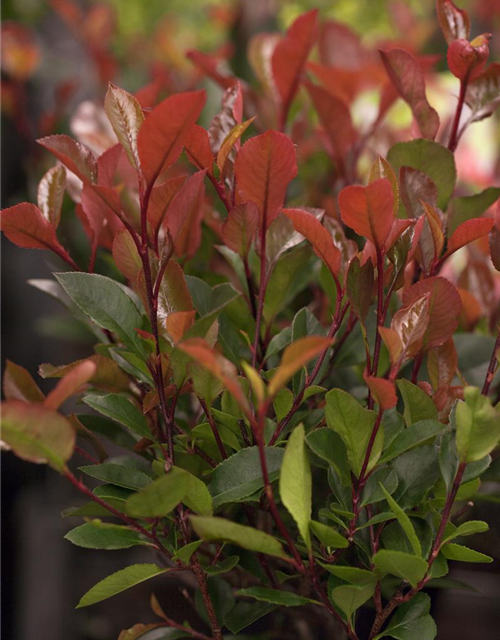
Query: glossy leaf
{"points": [[418, 433], [37, 434], [369, 210], [75, 156], [264, 167], [458, 552], [119, 408], [101, 535], [161, 496], [296, 483], [230, 142], [120, 581], [51, 193], [165, 131], [219, 529], [107, 304], [275, 596], [418, 405], [444, 308], [241, 475], [478, 426], [410, 325], [126, 118], [454, 22], [442, 362], [411, 620], [120, 475], [469, 232], [309, 226], [407, 76], [468, 59]]}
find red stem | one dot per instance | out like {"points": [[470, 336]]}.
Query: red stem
{"points": [[452, 144], [490, 374]]}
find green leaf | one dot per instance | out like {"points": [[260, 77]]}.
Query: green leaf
{"points": [[219, 529], [184, 553], [404, 565], [161, 496], [453, 551], [119, 408], [353, 575], [350, 597], [418, 405], [275, 596], [359, 287], [328, 445], [383, 476], [467, 529], [404, 521], [101, 535], [240, 475], [468, 207], [328, 535], [431, 158], [417, 471], [198, 497], [222, 567], [354, 424], [411, 621], [108, 304], [478, 426], [243, 614], [296, 482], [118, 474], [414, 436], [37, 434], [120, 581], [282, 403]]}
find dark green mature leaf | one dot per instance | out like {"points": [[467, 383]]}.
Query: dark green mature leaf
{"points": [[296, 482], [102, 535], [413, 436], [161, 496], [404, 521], [327, 444], [275, 596], [418, 405], [219, 529], [37, 434], [108, 304], [466, 529], [411, 621], [360, 281], [453, 551], [478, 426], [120, 581], [404, 565], [467, 207], [417, 471], [118, 474], [354, 424], [353, 575], [240, 475], [431, 158], [119, 408], [383, 477], [244, 614]]}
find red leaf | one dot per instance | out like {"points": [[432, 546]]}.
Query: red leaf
{"points": [[468, 232], [70, 384], [160, 200], [444, 308], [442, 362], [410, 323], [100, 205], [165, 131], [220, 367], [230, 115], [212, 67], [454, 22], [240, 227], [178, 323], [312, 229], [383, 392], [369, 210], [263, 168], [184, 215], [290, 56], [198, 149], [483, 93], [126, 255], [468, 59], [18, 384], [494, 242], [408, 78], [107, 164], [336, 120], [24, 225], [74, 155]]}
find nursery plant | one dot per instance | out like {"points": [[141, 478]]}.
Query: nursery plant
{"points": [[296, 319]]}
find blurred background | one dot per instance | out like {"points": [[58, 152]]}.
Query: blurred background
{"points": [[57, 58]]}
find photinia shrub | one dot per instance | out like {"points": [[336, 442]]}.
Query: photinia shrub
{"points": [[298, 364]]}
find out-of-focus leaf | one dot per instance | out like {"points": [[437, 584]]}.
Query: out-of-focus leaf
{"points": [[51, 193], [478, 426], [454, 22]]}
